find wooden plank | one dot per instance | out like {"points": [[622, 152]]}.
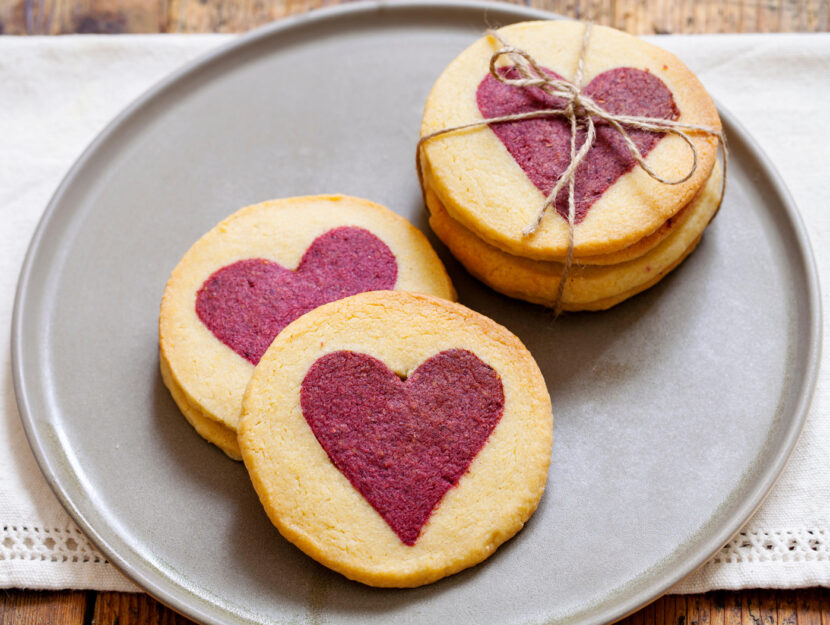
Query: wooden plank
{"points": [[621, 16], [11, 18], [667, 17], [768, 607], [697, 610], [733, 608], [822, 17], [760, 608], [568, 8], [748, 17], [52, 17], [638, 618], [748, 603], [714, 17], [730, 14], [698, 14], [680, 614], [597, 11], [660, 17], [227, 16], [21, 607], [121, 608], [786, 608], [807, 607], [660, 611], [753, 607], [717, 608], [649, 615], [680, 16], [668, 610], [769, 16], [793, 16], [635, 16], [750, 607]]}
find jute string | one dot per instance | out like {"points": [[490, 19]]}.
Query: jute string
{"points": [[580, 110]]}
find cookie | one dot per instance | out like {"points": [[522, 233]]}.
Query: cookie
{"points": [[260, 269], [635, 250], [397, 438], [588, 287], [494, 179]]}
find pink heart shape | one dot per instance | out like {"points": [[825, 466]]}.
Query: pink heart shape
{"points": [[402, 444], [246, 304], [542, 147]]}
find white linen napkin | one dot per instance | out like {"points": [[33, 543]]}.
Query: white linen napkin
{"points": [[57, 93]]}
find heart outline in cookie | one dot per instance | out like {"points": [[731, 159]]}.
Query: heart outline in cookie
{"points": [[402, 444], [247, 303], [542, 146]]}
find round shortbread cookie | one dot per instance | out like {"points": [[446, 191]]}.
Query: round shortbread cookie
{"points": [[397, 438], [588, 287], [477, 175], [258, 270], [635, 250]]}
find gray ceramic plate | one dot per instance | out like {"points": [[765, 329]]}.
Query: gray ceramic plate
{"points": [[675, 411]]}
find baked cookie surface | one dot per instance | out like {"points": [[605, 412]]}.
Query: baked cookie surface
{"points": [[588, 287], [257, 271], [397, 438], [494, 179]]}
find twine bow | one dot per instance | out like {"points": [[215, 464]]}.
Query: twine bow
{"points": [[580, 110]]}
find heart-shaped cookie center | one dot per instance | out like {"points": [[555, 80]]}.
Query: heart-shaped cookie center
{"points": [[402, 444], [542, 147], [246, 304]]}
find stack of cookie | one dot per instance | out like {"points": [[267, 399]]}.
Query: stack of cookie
{"points": [[239, 285], [395, 437], [485, 184]]}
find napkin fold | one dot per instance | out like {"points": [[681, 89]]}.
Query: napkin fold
{"points": [[57, 93]]}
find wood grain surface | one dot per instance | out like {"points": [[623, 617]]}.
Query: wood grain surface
{"points": [[19, 607], [771, 607], [192, 16], [21, 17]]}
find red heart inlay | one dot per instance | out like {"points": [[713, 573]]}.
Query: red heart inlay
{"points": [[542, 147], [248, 303], [402, 444]]}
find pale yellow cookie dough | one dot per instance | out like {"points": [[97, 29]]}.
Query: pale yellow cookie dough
{"points": [[206, 377], [314, 505], [635, 250], [483, 188], [587, 287]]}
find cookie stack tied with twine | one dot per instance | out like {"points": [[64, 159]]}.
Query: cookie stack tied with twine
{"points": [[569, 165]]}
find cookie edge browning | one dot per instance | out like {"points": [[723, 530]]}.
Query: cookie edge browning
{"points": [[547, 245], [611, 301], [635, 250], [196, 413], [471, 252], [380, 575]]}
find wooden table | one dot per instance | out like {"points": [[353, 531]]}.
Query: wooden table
{"points": [[752, 607], [192, 16]]}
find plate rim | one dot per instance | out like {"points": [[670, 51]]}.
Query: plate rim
{"points": [[174, 595]]}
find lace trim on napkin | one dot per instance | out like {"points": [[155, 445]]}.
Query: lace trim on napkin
{"points": [[55, 544], [776, 546], [47, 544]]}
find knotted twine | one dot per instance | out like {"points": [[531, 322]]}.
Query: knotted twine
{"points": [[580, 110]]}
